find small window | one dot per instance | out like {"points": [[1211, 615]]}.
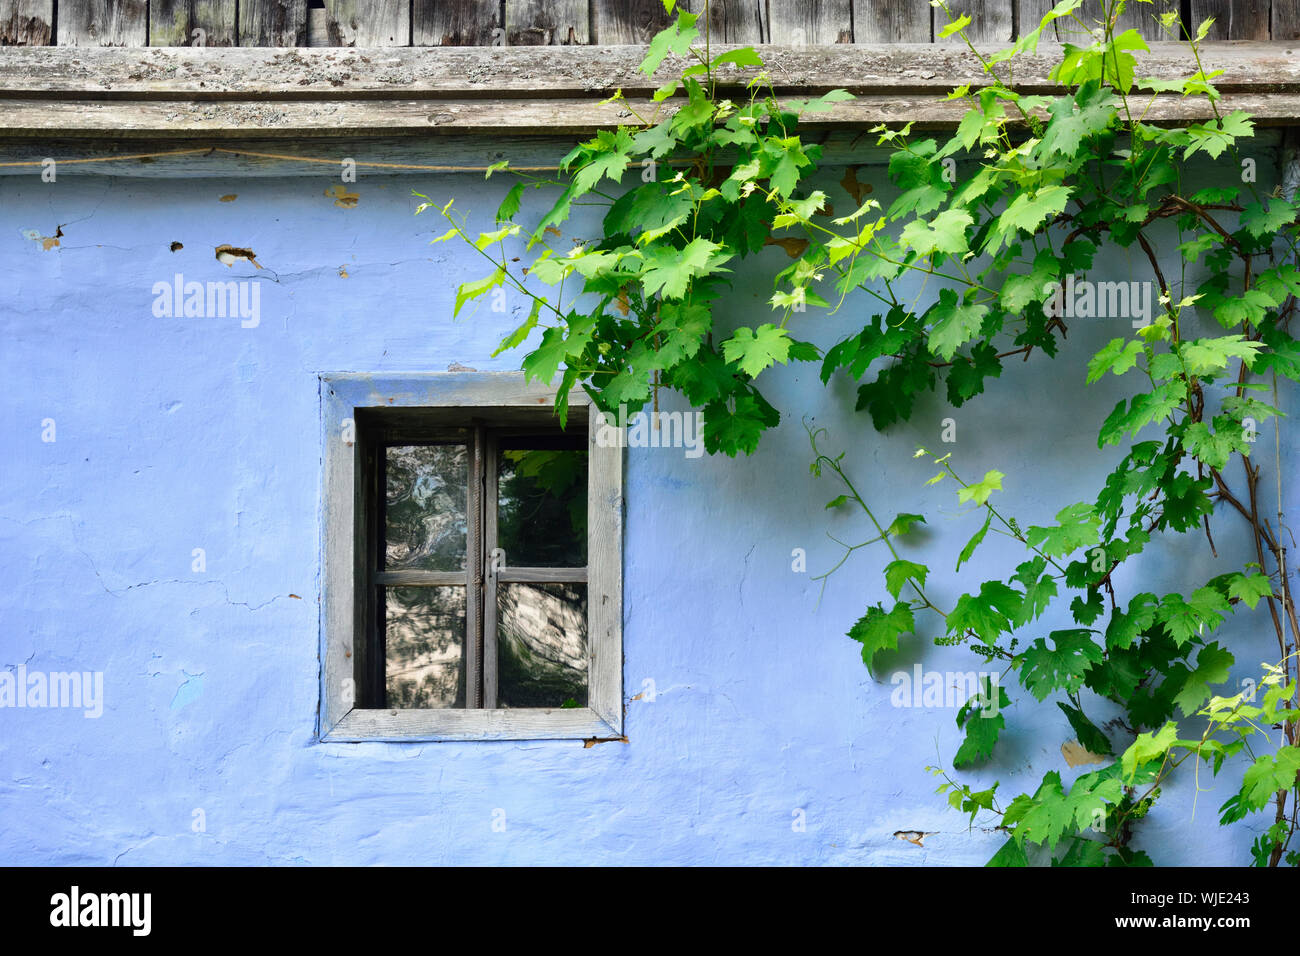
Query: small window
{"points": [[473, 563]]}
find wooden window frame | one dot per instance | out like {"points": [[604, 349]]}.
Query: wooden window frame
{"points": [[444, 400]]}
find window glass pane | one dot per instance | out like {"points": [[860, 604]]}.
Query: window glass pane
{"points": [[542, 507], [424, 507], [541, 645], [425, 645]]}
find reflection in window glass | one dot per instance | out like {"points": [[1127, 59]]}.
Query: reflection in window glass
{"points": [[542, 645], [424, 507], [542, 507], [425, 647]]}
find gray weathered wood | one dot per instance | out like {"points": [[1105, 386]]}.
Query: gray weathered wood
{"points": [[272, 23], [407, 579], [26, 22], [990, 21], [92, 23], [368, 23], [1142, 17], [1145, 18], [474, 505], [803, 22], [735, 21], [513, 575], [605, 576], [499, 724], [456, 23], [1235, 19], [191, 121], [547, 22], [253, 75], [175, 22], [391, 156], [490, 545], [891, 21], [1286, 22], [617, 22]]}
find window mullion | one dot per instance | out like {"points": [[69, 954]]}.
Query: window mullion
{"points": [[474, 569], [377, 654], [493, 564]]}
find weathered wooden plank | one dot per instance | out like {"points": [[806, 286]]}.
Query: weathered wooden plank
{"points": [[1143, 17], [26, 22], [735, 21], [275, 23], [456, 23], [1030, 13], [92, 23], [374, 156], [431, 74], [547, 22], [211, 121], [1236, 19], [192, 23], [605, 519], [371, 156], [803, 22], [1286, 21], [497, 724], [618, 22], [368, 23], [891, 21], [990, 21]]}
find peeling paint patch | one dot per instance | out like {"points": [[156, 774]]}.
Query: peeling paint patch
{"points": [[1076, 754], [914, 836], [47, 242], [793, 247], [229, 197], [342, 198], [853, 187], [190, 691], [228, 255], [343, 272], [177, 247], [592, 741]]}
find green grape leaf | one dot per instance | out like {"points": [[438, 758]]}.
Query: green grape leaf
{"points": [[1062, 667], [878, 630]]}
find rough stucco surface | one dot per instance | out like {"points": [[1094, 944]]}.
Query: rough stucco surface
{"points": [[176, 434]]}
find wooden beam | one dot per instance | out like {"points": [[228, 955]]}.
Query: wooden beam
{"points": [[26, 22], [208, 122], [267, 76], [192, 23], [298, 158], [94, 23]]}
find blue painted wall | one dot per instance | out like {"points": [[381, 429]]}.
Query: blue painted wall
{"points": [[173, 434]]}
